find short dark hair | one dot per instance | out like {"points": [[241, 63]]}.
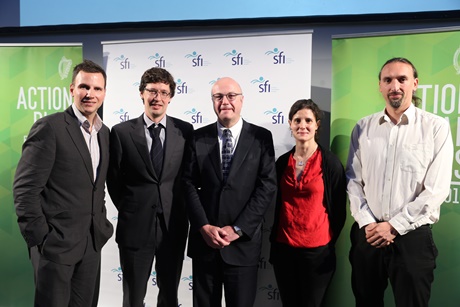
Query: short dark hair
{"points": [[307, 104], [158, 75], [415, 100], [90, 67]]}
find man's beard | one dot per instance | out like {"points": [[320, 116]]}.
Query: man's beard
{"points": [[396, 103]]}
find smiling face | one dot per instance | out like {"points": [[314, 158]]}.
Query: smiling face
{"points": [[304, 125], [156, 98], [397, 85], [228, 111], [88, 92]]}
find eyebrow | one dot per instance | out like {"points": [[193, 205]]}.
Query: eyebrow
{"points": [[394, 77], [84, 85]]}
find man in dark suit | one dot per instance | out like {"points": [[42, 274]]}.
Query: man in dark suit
{"points": [[59, 195], [144, 183], [230, 182]]}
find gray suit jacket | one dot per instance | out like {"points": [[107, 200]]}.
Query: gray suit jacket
{"points": [[137, 191], [56, 198]]}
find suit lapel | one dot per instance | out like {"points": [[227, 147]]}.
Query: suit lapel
{"points": [[138, 136], [213, 149], [243, 147], [103, 139], [73, 128], [171, 142]]}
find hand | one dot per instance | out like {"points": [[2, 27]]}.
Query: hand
{"points": [[232, 235], [214, 236], [380, 234]]}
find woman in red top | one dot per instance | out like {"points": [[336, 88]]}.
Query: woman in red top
{"points": [[310, 212]]}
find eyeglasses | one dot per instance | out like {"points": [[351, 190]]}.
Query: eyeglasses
{"points": [[230, 96], [155, 92]]}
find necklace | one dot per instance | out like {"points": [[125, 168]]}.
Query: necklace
{"points": [[302, 161]]}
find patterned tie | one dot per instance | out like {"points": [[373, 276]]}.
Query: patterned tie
{"points": [[156, 152], [227, 147]]}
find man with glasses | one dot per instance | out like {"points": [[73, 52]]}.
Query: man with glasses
{"points": [[144, 182], [229, 176]]}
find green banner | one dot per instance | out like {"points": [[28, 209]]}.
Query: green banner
{"points": [[355, 94], [34, 82]]}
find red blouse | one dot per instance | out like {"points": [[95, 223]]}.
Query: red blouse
{"points": [[304, 221]]}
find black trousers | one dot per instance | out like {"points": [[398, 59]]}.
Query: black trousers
{"points": [[239, 282], [58, 285], [136, 265], [408, 263], [303, 274]]}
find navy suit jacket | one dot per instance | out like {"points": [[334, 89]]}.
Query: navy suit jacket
{"points": [[56, 198], [137, 191], [242, 200]]}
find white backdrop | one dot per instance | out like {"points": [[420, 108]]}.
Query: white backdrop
{"points": [[273, 69]]}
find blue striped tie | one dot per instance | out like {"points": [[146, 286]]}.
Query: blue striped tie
{"points": [[227, 146]]}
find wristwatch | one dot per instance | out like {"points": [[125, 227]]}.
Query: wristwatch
{"points": [[238, 230]]}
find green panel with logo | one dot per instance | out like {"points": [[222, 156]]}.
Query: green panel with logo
{"points": [[35, 82], [355, 94]]}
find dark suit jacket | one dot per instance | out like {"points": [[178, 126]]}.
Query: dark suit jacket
{"points": [[243, 200], [54, 192], [135, 188]]}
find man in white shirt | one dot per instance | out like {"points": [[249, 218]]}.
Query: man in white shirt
{"points": [[398, 172]]}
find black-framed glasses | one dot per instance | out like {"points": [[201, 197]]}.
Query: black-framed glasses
{"points": [[154, 92], [230, 96]]}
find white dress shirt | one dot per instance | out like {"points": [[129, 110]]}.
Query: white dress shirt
{"points": [[90, 137], [235, 130], [399, 173], [148, 122]]}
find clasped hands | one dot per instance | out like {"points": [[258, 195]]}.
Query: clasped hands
{"points": [[217, 237], [380, 235]]}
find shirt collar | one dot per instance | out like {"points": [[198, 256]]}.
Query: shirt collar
{"points": [[235, 129], [149, 122], [97, 122], [407, 117]]}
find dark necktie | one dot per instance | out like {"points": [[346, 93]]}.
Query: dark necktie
{"points": [[156, 152], [227, 146]]}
